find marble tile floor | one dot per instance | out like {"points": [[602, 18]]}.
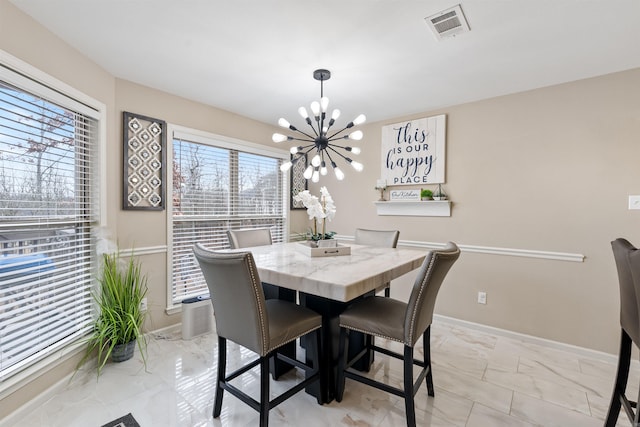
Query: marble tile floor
{"points": [[480, 380]]}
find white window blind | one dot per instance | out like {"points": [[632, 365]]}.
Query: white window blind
{"points": [[48, 206], [215, 189]]}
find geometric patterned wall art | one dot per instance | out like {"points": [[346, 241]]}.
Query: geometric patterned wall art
{"points": [[143, 181], [298, 182]]}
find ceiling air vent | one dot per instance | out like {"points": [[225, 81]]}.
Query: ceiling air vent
{"points": [[448, 23]]}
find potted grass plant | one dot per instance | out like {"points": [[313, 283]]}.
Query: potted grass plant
{"points": [[118, 326]]}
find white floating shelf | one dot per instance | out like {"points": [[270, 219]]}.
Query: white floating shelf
{"points": [[417, 208]]}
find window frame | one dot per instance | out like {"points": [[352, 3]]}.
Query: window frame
{"points": [[225, 142], [31, 79]]}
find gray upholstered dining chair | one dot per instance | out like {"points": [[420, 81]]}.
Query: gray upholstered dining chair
{"points": [[243, 316], [627, 259], [398, 321], [384, 238], [250, 237], [239, 239]]}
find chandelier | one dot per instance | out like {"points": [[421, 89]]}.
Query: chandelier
{"points": [[321, 140]]}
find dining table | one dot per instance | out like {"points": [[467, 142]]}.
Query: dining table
{"points": [[327, 284]]}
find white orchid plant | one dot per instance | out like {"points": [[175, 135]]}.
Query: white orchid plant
{"points": [[318, 209]]}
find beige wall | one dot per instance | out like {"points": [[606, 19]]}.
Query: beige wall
{"points": [[149, 229], [548, 170]]}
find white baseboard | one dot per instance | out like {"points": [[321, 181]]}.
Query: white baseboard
{"points": [[557, 345]]}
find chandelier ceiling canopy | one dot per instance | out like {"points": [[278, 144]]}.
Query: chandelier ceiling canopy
{"points": [[321, 141]]}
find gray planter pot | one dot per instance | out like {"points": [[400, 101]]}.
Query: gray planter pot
{"points": [[122, 352]]}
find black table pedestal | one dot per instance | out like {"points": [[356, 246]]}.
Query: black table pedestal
{"points": [[330, 311]]}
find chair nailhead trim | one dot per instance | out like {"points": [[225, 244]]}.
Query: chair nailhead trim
{"points": [[422, 286], [371, 333], [265, 333]]}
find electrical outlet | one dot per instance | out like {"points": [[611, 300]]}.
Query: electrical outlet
{"points": [[482, 297], [634, 202], [143, 304]]}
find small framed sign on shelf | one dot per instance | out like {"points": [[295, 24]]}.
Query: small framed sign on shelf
{"points": [[404, 195]]}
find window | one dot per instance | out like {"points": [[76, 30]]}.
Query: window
{"points": [[219, 186], [48, 145]]}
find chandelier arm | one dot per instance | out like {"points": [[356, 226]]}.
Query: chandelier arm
{"points": [[299, 156], [321, 127], [338, 138], [300, 139], [329, 156], [339, 146], [319, 130], [306, 146], [307, 152], [312, 138], [333, 136], [315, 131], [328, 127], [337, 152]]}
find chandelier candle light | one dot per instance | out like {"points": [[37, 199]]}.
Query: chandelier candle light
{"points": [[321, 141]]}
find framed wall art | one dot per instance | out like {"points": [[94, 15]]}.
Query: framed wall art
{"points": [[413, 152], [143, 180], [298, 182]]}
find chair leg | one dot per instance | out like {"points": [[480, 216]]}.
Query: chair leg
{"points": [[636, 418], [426, 343], [264, 391], [222, 362], [313, 340], [408, 387], [621, 380], [343, 355], [387, 291]]}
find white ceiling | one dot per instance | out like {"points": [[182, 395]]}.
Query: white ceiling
{"points": [[256, 57]]}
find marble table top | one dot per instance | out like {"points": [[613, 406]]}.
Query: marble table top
{"points": [[341, 278]]}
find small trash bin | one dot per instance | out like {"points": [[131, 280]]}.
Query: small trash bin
{"points": [[197, 316]]}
